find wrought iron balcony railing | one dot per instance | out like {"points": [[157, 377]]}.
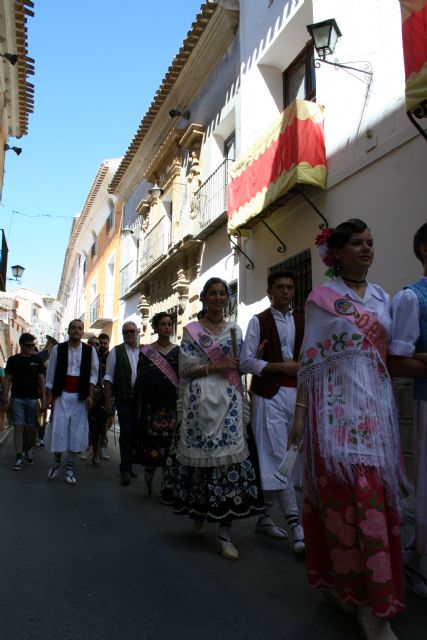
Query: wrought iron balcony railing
{"points": [[155, 244], [209, 203], [99, 315], [127, 276]]}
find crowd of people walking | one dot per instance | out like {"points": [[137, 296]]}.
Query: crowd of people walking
{"points": [[320, 405]]}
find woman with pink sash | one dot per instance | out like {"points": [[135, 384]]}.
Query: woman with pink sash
{"points": [[155, 395], [346, 420], [214, 477]]}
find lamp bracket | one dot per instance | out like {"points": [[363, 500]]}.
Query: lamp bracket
{"points": [[237, 234], [301, 191], [365, 69], [282, 247], [419, 112]]}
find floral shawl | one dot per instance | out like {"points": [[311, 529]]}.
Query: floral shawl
{"points": [[352, 418]]}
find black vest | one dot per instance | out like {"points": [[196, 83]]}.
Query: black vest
{"points": [[62, 366], [267, 386]]}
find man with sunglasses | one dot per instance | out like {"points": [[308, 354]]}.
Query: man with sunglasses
{"points": [[119, 381], [25, 374]]}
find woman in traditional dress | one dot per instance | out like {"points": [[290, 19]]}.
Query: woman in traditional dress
{"points": [[156, 391], [345, 405], [215, 479]]}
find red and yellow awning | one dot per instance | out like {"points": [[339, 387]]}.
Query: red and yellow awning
{"points": [[414, 35], [291, 152]]}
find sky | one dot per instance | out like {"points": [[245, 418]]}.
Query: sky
{"points": [[98, 65]]}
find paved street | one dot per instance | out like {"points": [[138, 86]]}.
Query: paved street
{"points": [[99, 561]]}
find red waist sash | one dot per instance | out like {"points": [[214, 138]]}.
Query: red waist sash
{"points": [[288, 381], [71, 384]]}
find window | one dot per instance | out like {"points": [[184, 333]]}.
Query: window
{"points": [[94, 249], [111, 221], [230, 147], [232, 305], [300, 265], [299, 79], [84, 266]]}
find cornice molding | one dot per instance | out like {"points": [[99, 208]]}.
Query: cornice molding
{"points": [[212, 32]]}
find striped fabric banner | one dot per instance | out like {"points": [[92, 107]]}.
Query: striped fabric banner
{"points": [[414, 35], [291, 152]]}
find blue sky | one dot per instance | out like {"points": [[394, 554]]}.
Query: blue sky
{"points": [[98, 65]]}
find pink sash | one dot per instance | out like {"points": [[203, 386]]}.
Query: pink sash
{"points": [[213, 350], [161, 363], [340, 306]]}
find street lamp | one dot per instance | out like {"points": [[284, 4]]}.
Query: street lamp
{"points": [[10, 57], [17, 271], [155, 191], [17, 150], [324, 35]]}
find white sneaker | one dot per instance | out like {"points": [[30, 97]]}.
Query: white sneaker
{"points": [[104, 454], [53, 471], [70, 478], [227, 549], [19, 464], [374, 628], [267, 527], [297, 533]]}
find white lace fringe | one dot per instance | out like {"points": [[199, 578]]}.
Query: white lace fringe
{"points": [[361, 394]]}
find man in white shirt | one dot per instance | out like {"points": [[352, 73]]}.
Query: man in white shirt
{"points": [[72, 374], [270, 352], [119, 381]]}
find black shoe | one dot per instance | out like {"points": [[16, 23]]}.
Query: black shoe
{"points": [[125, 480]]}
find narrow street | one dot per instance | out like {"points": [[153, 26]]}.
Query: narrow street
{"points": [[99, 561]]}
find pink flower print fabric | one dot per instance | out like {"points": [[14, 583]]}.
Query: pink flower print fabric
{"points": [[353, 541]]}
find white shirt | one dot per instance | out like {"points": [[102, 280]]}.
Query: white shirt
{"points": [[133, 355], [74, 361], [405, 311], [285, 324]]}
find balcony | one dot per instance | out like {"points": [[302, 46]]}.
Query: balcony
{"points": [[127, 276], [100, 316], [156, 244], [209, 204]]}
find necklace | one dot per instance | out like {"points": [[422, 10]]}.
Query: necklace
{"points": [[214, 321], [163, 346], [354, 281]]}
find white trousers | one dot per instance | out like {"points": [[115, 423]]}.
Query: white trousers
{"points": [[272, 420], [68, 427]]}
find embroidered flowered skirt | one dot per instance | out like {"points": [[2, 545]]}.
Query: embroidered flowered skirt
{"points": [[214, 494], [353, 542]]}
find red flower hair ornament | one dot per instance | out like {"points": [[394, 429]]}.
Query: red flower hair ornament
{"points": [[324, 251]]}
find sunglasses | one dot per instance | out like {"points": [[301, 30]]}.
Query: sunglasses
{"points": [[128, 331]]}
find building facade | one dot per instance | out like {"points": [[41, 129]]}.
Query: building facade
{"points": [[89, 287], [174, 176]]}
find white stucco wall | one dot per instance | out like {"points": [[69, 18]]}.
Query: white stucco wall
{"points": [[376, 159]]}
